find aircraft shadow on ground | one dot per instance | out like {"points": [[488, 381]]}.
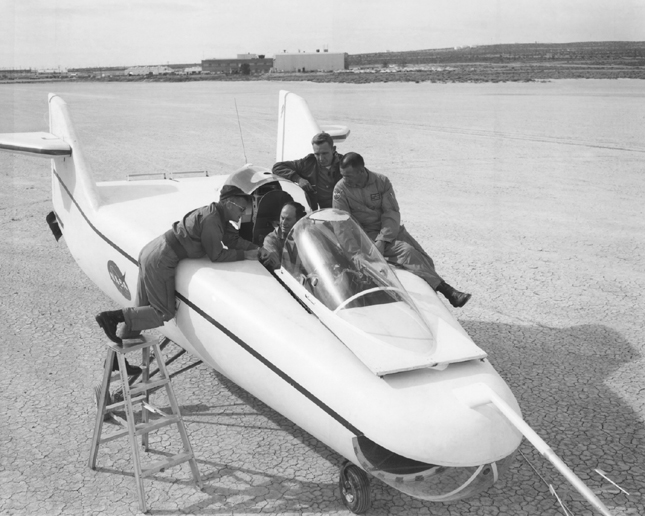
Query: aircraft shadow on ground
{"points": [[559, 377]]}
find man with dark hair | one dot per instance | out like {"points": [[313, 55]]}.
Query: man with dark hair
{"points": [[202, 232], [291, 213], [369, 198], [316, 173]]}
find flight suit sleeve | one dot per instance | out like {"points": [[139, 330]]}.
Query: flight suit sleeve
{"points": [[391, 217], [232, 239], [212, 237], [291, 170], [272, 244], [339, 199]]}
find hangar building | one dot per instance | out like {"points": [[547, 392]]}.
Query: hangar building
{"points": [[258, 65], [313, 62]]}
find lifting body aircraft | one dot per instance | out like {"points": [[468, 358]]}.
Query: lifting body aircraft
{"points": [[362, 355]]}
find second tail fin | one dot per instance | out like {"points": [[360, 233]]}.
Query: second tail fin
{"points": [[297, 126]]}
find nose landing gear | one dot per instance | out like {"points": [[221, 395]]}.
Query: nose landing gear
{"points": [[354, 488]]}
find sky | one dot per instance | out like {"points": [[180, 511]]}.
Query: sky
{"points": [[85, 33]]}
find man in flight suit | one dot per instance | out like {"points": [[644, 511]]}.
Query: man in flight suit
{"points": [[202, 232], [369, 198], [316, 173], [291, 213]]}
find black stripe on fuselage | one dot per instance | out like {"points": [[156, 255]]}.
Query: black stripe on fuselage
{"points": [[319, 403], [106, 239], [271, 366]]}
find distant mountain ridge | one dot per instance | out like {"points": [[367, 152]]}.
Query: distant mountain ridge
{"points": [[626, 53]]}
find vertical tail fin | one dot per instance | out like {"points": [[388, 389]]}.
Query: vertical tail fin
{"points": [[296, 127], [73, 172], [61, 145]]}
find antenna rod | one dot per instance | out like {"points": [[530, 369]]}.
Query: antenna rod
{"points": [[240, 126]]}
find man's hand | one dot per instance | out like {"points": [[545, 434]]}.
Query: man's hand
{"points": [[305, 185], [380, 245], [268, 258], [251, 254]]}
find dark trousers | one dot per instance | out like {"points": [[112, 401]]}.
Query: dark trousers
{"points": [[406, 252], [155, 301]]}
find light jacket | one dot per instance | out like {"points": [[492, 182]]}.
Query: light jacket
{"points": [[373, 206]]}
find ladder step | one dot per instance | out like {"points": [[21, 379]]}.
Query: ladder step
{"points": [[119, 420], [120, 404], [146, 386], [142, 428], [169, 463], [152, 408]]}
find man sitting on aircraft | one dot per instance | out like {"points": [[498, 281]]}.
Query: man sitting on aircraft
{"points": [[369, 198], [291, 213], [202, 232], [316, 173]]}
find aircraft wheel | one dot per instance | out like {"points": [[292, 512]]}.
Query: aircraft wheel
{"points": [[354, 488]]}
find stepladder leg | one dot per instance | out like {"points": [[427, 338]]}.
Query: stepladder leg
{"points": [[131, 430], [145, 376], [103, 397]]}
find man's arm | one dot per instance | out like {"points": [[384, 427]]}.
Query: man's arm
{"points": [[272, 243], [391, 217], [232, 239], [339, 199], [214, 237], [291, 170], [274, 249]]}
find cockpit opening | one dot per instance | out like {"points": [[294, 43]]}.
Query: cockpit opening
{"points": [[334, 260]]}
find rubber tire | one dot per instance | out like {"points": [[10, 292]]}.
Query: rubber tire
{"points": [[354, 487]]}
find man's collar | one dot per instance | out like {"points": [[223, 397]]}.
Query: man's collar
{"points": [[368, 177], [334, 161]]}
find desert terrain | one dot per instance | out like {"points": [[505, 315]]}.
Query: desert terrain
{"points": [[529, 196]]}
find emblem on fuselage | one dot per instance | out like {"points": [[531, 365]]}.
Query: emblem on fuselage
{"points": [[118, 278]]}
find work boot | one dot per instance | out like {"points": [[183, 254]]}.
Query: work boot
{"points": [[130, 369], [456, 298], [108, 321]]}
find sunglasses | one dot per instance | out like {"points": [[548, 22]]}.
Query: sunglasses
{"points": [[243, 208]]}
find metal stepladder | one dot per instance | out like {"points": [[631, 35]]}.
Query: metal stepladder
{"points": [[139, 393]]}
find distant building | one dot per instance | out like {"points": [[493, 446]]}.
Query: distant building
{"points": [[149, 70], [98, 71], [256, 65], [310, 62], [193, 69], [16, 71]]}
